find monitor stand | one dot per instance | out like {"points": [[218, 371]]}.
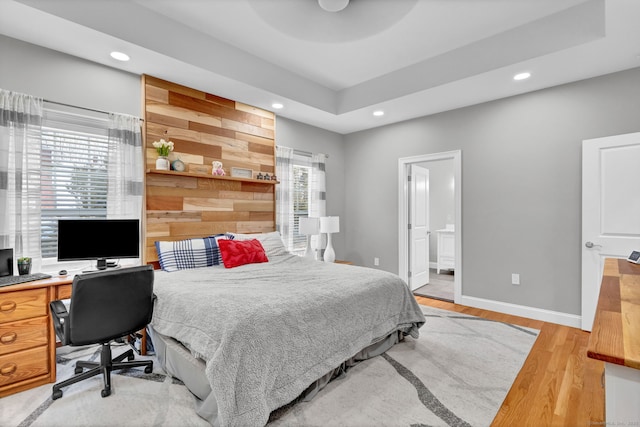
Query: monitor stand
{"points": [[102, 264]]}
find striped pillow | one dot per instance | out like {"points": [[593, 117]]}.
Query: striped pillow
{"points": [[190, 253]]}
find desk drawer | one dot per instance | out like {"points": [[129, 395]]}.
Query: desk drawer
{"points": [[63, 292], [23, 304], [23, 365], [23, 334]]}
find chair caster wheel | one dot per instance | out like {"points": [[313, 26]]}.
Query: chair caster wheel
{"points": [[148, 369], [105, 393], [57, 394], [77, 370]]}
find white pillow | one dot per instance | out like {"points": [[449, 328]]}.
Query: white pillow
{"points": [[271, 242]]}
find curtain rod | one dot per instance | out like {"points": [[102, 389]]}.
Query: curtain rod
{"points": [[82, 108], [305, 153]]}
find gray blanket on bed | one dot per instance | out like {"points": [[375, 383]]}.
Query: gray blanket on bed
{"points": [[267, 331]]}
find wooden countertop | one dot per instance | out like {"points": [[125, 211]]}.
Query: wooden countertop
{"points": [[615, 336], [53, 281]]}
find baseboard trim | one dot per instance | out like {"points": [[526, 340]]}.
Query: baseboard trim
{"points": [[565, 319]]}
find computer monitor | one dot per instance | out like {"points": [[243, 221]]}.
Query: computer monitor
{"points": [[6, 262], [98, 239]]}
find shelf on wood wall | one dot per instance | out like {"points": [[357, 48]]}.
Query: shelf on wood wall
{"points": [[208, 176]]}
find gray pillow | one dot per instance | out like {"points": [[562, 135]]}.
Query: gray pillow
{"points": [[271, 242]]}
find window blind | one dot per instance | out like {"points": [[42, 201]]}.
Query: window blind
{"points": [[73, 171], [301, 199]]}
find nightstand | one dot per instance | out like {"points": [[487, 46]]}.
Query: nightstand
{"points": [[339, 261]]}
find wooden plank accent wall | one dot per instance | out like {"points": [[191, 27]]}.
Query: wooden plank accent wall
{"points": [[205, 128]]}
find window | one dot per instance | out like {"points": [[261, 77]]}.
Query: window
{"points": [[301, 201], [73, 172]]}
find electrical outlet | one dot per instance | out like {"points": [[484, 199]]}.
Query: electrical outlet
{"points": [[376, 261], [515, 279]]}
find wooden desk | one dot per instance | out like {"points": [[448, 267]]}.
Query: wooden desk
{"points": [[615, 339], [27, 338]]}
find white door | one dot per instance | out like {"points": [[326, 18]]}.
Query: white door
{"points": [[419, 227], [610, 210]]}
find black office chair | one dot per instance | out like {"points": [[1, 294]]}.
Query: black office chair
{"points": [[104, 306]]}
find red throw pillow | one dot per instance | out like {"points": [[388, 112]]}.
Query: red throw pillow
{"points": [[240, 252]]}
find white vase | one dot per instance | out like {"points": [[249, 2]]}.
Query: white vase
{"points": [[162, 163]]}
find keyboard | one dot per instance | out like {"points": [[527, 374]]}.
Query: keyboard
{"points": [[14, 280]]}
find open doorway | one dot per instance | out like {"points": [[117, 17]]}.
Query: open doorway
{"points": [[443, 193]]}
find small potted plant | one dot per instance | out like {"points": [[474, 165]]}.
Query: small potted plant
{"points": [[163, 148], [24, 265]]}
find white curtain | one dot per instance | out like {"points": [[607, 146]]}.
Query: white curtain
{"points": [[318, 195], [20, 136], [284, 192], [125, 167]]}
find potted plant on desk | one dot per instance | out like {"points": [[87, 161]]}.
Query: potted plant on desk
{"points": [[24, 265]]}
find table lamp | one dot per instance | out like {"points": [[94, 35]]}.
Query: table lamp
{"points": [[309, 226], [329, 225]]}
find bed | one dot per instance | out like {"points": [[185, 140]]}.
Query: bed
{"points": [[250, 339]]}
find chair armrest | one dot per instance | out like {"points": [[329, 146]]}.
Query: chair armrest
{"points": [[59, 316]]}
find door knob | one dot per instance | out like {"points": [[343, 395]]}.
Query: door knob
{"points": [[591, 245]]}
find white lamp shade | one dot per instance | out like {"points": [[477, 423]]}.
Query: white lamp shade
{"points": [[329, 224], [308, 226]]}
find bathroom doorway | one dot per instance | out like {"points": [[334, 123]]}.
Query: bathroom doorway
{"points": [[444, 279]]}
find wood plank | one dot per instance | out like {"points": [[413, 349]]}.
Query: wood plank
{"points": [[164, 203], [174, 87], [261, 148], [167, 217], [247, 128], [156, 94], [254, 139], [630, 296], [189, 230], [226, 216], [253, 205], [186, 115], [165, 120], [207, 204], [235, 195], [158, 180], [254, 226], [254, 110]]}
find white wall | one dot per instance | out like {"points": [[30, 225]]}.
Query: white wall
{"points": [[57, 77], [521, 185]]}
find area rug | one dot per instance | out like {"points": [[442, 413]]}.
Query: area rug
{"points": [[456, 374]]}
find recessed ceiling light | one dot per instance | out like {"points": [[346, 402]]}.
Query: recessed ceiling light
{"points": [[522, 76], [277, 105], [378, 113], [120, 56]]}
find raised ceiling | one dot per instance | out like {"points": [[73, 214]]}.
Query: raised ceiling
{"points": [[409, 58]]}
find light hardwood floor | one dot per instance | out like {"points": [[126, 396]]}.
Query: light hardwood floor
{"points": [[558, 384]]}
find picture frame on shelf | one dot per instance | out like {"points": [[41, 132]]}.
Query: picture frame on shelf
{"points": [[241, 173]]}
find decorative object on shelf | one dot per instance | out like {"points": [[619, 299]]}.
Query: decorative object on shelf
{"points": [[178, 165], [217, 168], [267, 177], [259, 176], [242, 173], [329, 225], [273, 178], [163, 148], [162, 163], [309, 226], [24, 265]]}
